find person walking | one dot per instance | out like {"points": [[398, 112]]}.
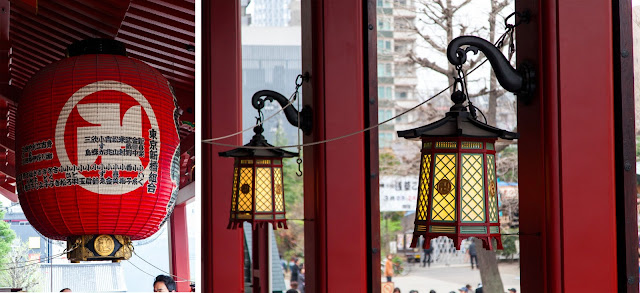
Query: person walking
{"points": [[427, 257], [473, 254], [388, 268], [295, 270]]}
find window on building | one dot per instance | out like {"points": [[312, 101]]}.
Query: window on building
{"points": [[384, 114], [384, 139], [385, 23], [401, 94], [385, 92], [384, 46], [385, 69]]}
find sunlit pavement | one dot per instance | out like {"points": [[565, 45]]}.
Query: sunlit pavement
{"points": [[444, 279]]}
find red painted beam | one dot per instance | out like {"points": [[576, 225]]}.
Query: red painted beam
{"points": [[187, 7], [10, 195], [334, 40], [585, 90], [168, 13], [5, 45], [30, 6], [558, 142], [222, 249], [180, 247], [152, 19], [108, 24]]}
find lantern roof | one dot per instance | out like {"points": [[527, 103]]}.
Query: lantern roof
{"points": [[457, 122], [258, 140]]}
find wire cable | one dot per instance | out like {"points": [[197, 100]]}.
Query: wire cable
{"points": [[185, 280]]}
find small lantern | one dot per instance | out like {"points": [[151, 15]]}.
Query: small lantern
{"points": [[457, 193], [258, 192]]}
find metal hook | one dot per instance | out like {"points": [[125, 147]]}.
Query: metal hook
{"points": [[299, 173]]}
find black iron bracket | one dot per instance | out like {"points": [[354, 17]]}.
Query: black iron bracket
{"points": [[520, 81], [306, 115]]}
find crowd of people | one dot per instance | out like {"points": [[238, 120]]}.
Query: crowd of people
{"points": [[296, 283], [465, 289]]}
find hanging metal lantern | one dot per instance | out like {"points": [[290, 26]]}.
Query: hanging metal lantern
{"points": [[257, 196], [457, 192], [98, 150]]}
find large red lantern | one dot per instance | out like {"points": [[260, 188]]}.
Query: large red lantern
{"points": [[97, 149]]}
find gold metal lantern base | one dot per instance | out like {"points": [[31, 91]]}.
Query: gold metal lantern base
{"points": [[99, 247]]}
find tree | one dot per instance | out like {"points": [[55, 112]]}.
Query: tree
{"points": [[19, 272], [436, 26], [6, 235], [291, 241]]}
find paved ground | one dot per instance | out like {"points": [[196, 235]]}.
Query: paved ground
{"points": [[444, 279]]}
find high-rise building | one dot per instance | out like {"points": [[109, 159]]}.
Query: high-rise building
{"points": [[270, 13], [397, 78]]}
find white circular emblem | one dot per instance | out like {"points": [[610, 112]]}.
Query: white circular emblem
{"points": [[107, 117]]}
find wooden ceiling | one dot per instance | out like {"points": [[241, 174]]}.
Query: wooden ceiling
{"points": [[35, 33]]}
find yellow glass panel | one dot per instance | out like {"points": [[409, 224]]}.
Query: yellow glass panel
{"points": [[443, 205], [491, 184], [425, 173], [246, 162], [263, 190], [278, 189], [263, 162], [472, 188], [234, 193], [245, 201]]}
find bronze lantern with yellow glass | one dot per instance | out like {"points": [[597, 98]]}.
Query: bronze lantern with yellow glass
{"points": [[258, 192], [457, 192]]}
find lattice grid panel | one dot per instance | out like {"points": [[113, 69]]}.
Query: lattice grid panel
{"points": [[424, 187], [444, 205], [263, 190], [245, 201], [278, 191], [472, 188], [491, 179]]}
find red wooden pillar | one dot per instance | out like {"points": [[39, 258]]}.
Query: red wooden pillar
{"points": [[180, 247], [335, 197], [261, 255], [222, 249], [566, 146]]}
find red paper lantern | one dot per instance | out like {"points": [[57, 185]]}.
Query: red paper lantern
{"points": [[97, 146]]}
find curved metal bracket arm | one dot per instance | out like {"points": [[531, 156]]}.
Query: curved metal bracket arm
{"points": [[520, 82], [306, 115]]}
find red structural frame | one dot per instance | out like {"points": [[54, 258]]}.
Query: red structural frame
{"points": [[222, 250], [335, 200], [566, 145], [179, 244], [566, 163], [456, 236]]}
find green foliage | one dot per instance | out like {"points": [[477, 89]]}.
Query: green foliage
{"points": [[388, 163], [509, 243], [6, 235], [291, 241], [390, 226]]}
